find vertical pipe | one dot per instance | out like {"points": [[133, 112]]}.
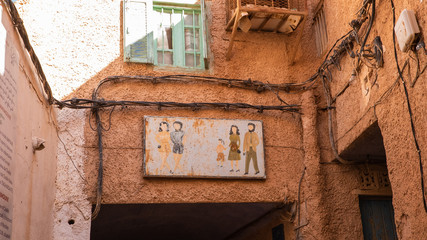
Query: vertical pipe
{"points": [[100, 166]]}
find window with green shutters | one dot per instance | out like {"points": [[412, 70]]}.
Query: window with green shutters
{"points": [[164, 34]]}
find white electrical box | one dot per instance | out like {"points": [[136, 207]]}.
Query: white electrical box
{"points": [[406, 29]]}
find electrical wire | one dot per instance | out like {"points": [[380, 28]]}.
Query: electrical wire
{"points": [[97, 104], [419, 71], [100, 104], [299, 204], [100, 167], [18, 24], [258, 86], [71, 159], [409, 111], [371, 21], [330, 123], [326, 75]]}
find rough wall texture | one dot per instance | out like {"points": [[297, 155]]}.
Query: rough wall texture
{"points": [[80, 43], [72, 208], [93, 51], [365, 102]]}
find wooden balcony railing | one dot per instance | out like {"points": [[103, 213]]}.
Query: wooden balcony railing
{"points": [[278, 16]]}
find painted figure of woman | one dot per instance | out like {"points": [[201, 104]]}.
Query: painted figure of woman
{"points": [[178, 139], [234, 153], [162, 138]]}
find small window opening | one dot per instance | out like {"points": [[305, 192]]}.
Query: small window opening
{"points": [[319, 22]]}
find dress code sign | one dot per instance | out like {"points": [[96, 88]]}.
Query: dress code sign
{"points": [[203, 148], [8, 111]]}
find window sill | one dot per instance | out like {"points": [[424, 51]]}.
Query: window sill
{"points": [[179, 69]]}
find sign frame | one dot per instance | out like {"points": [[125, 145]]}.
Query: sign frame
{"points": [[147, 148]]}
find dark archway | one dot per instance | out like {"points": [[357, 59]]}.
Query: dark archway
{"points": [[201, 221]]}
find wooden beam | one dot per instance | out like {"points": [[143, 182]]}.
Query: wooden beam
{"points": [[264, 22], [373, 192], [231, 21], [233, 33], [317, 36], [272, 10], [280, 24], [319, 6]]}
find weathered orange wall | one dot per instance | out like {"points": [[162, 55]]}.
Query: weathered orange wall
{"points": [[356, 110], [82, 44], [73, 62]]}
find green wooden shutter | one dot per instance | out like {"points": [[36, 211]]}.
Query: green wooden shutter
{"points": [[138, 34]]}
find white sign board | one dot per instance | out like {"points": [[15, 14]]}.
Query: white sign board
{"points": [[203, 148], [8, 98]]}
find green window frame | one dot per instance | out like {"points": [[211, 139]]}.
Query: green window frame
{"points": [[164, 34]]}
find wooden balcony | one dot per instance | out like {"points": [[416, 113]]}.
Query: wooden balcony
{"points": [[276, 16]]}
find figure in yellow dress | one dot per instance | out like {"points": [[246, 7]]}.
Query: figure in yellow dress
{"points": [[162, 138], [234, 153]]}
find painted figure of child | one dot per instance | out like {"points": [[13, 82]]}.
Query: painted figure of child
{"points": [[220, 150]]}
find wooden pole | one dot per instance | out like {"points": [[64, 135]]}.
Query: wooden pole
{"points": [[233, 33]]}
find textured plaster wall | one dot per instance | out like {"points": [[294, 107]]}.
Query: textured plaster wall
{"points": [[359, 107], [123, 150], [72, 208], [80, 43], [33, 172]]}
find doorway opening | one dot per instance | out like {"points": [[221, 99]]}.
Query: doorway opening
{"points": [[377, 217], [201, 221], [375, 193]]}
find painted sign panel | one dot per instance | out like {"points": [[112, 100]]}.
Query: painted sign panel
{"points": [[203, 148]]}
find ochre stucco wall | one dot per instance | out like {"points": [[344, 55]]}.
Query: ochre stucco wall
{"points": [[356, 110], [93, 51], [80, 43]]}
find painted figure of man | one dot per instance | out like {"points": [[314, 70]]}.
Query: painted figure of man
{"points": [[178, 140], [250, 143]]}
